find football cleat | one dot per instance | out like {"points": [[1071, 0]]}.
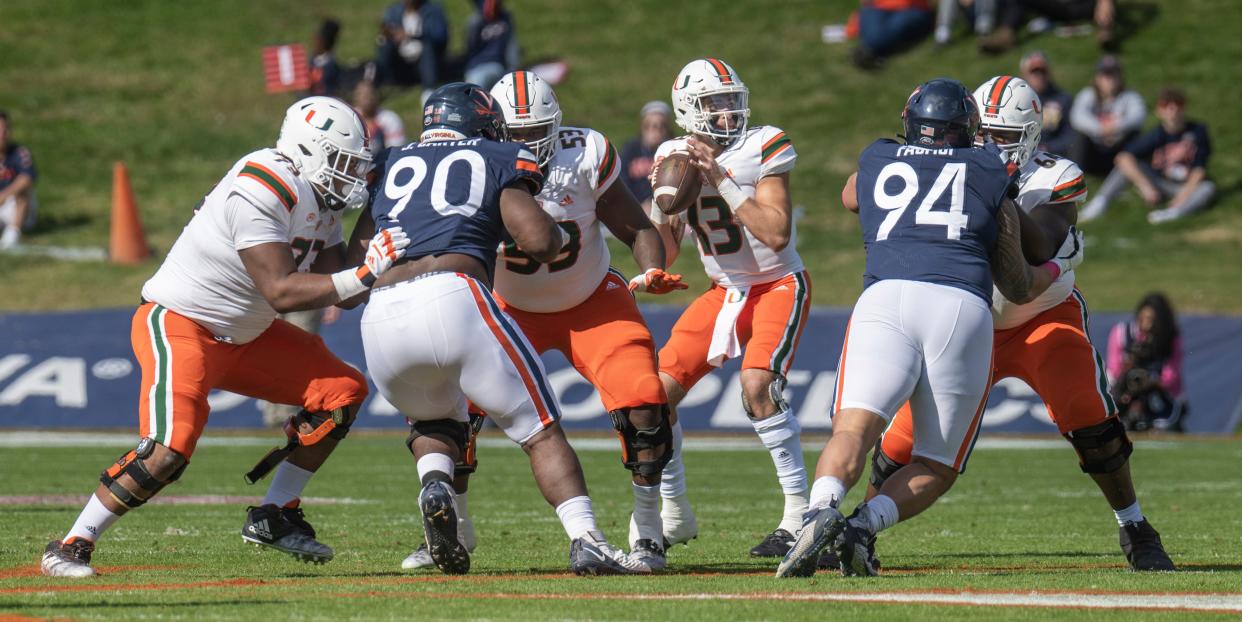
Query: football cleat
{"points": [[680, 525], [440, 527], [649, 555], [775, 544], [855, 549], [1141, 544], [419, 559], [286, 530], [592, 555], [68, 560], [828, 560], [820, 527]]}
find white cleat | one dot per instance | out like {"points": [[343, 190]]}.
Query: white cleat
{"points": [[421, 558], [647, 554], [68, 560], [592, 555], [680, 525]]}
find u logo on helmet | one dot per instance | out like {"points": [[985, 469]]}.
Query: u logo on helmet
{"points": [[323, 128]]}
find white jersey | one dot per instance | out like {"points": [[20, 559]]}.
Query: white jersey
{"points": [[731, 255], [1044, 179], [584, 166], [261, 200]]}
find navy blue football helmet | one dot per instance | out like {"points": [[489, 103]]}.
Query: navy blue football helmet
{"points": [[941, 113], [464, 109]]}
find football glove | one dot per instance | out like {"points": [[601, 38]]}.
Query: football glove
{"points": [[1071, 252], [386, 248], [657, 281]]}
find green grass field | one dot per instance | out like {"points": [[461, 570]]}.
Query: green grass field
{"points": [[1023, 521], [175, 91]]}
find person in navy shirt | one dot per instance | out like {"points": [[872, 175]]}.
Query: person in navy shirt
{"points": [[17, 180], [1168, 163], [491, 44]]}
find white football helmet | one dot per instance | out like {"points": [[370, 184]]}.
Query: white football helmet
{"points": [[327, 142], [531, 112], [709, 99], [1011, 113]]}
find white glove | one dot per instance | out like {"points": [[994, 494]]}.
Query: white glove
{"points": [[385, 249], [1071, 252]]}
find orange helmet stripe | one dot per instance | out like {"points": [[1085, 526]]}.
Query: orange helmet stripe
{"points": [[521, 93], [721, 71], [994, 96]]}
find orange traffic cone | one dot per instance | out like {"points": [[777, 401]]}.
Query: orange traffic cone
{"points": [[128, 243]]}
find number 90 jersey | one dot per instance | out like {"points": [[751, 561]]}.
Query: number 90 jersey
{"points": [[583, 167], [732, 256], [930, 214], [446, 194]]}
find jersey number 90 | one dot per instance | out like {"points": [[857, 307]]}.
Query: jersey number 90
{"points": [[403, 191]]}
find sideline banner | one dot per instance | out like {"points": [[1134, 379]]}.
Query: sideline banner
{"points": [[76, 369]]}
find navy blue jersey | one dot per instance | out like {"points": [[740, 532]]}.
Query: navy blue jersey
{"points": [[446, 195], [929, 214]]}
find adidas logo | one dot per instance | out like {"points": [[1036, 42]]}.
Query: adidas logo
{"points": [[568, 200], [611, 286], [261, 529], [783, 454]]}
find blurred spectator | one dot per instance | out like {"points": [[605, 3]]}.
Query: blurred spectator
{"points": [[885, 27], [638, 155], [1106, 115], [1057, 136], [325, 72], [17, 180], [1167, 162], [1145, 367], [491, 44], [1012, 14], [412, 42], [983, 12], [383, 125]]}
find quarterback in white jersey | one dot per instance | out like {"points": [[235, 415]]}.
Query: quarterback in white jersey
{"points": [[580, 306], [760, 294], [1044, 342], [208, 320]]}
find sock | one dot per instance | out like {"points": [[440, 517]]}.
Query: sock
{"points": [[673, 479], [92, 522], [827, 490], [465, 526], [647, 513], [577, 517], [781, 434], [287, 484], [435, 466], [880, 513], [1131, 514], [795, 506]]}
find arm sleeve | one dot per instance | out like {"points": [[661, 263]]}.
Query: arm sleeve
{"points": [[1171, 373], [1133, 111], [1116, 351], [776, 154], [524, 168], [606, 164], [1081, 116], [256, 221], [1071, 185]]}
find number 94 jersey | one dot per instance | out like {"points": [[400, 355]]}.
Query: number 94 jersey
{"points": [[446, 194], [929, 214], [584, 166], [732, 256]]}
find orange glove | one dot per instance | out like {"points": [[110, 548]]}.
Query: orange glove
{"points": [[657, 281]]}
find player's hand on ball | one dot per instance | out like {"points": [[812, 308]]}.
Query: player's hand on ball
{"points": [[657, 281], [386, 248], [1071, 252], [703, 157]]}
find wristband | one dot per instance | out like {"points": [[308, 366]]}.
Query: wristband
{"points": [[731, 192], [657, 215], [349, 284], [1053, 268]]}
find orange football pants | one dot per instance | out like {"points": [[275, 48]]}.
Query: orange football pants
{"points": [[182, 362], [605, 339], [1053, 354], [768, 327]]}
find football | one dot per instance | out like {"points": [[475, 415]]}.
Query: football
{"points": [[677, 183]]}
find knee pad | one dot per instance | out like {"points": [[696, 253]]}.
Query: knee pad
{"points": [[333, 423], [457, 432], [776, 393], [635, 439], [1102, 448], [134, 464], [469, 460], [882, 467]]}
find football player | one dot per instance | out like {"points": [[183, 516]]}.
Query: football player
{"points": [[1044, 342], [266, 240], [939, 231], [579, 305], [435, 336], [760, 293]]}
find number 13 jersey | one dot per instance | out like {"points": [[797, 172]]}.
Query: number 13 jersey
{"points": [[584, 167], [731, 255]]}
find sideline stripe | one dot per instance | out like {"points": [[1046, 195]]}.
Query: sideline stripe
{"points": [[77, 500]]}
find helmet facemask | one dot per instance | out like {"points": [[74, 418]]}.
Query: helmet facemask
{"points": [[721, 115], [540, 137], [1016, 143], [342, 179]]}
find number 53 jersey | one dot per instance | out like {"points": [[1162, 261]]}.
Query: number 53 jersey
{"points": [[732, 256], [929, 214], [584, 166]]}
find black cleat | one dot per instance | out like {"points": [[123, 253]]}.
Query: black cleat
{"points": [[440, 527], [593, 556], [775, 544], [856, 549], [68, 560], [286, 530], [1141, 544], [828, 560]]}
